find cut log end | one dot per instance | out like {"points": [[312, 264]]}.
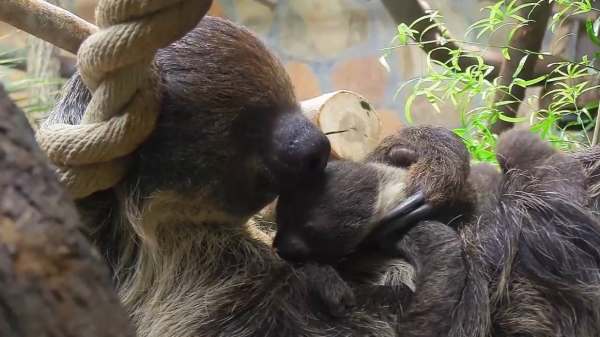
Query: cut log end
{"points": [[349, 121]]}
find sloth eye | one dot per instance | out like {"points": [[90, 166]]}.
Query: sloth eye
{"points": [[402, 157]]}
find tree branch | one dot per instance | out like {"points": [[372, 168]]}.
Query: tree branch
{"points": [[47, 22], [408, 11], [52, 281], [527, 37], [267, 3]]}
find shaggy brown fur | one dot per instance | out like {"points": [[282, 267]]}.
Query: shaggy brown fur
{"points": [[324, 221], [533, 248], [417, 151], [535, 259], [438, 165], [230, 134]]}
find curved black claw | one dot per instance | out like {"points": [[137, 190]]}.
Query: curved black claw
{"points": [[406, 207], [401, 219]]}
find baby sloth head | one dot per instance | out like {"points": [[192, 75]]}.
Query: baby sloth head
{"points": [[407, 177], [325, 219]]}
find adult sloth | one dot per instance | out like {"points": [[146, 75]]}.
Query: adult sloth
{"points": [[230, 133]]}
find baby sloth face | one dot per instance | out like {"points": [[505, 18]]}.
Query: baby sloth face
{"points": [[327, 218], [404, 179]]}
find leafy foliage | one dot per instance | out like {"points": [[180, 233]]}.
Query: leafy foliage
{"points": [[18, 88], [447, 82]]}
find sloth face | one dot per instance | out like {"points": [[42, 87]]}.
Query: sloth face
{"points": [[326, 219]]}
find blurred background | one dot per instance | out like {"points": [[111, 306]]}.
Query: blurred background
{"points": [[325, 45]]}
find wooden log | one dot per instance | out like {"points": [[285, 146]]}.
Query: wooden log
{"points": [[349, 121], [52, 280]]}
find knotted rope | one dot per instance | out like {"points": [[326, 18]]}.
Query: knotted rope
{"points": [[117, 64]]}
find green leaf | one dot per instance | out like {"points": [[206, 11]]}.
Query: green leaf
{"points": [[592, 30], [453, 99], [510, 34], [505, 53], [496, 10], [404, 85], [10, 62], [488, 71], [529, 83], [403, 31], [596, 26], [481, 23], [511, 119], [409, 101], [520, 67]]}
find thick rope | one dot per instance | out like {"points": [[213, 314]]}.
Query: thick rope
{"points": [[117, 64]]}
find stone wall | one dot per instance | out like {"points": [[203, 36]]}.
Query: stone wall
{"points": [[335, 44]]}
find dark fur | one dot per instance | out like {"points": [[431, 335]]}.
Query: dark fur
{"points": [[186, 263], [434, 250], [532, 243], [324, 221], [534, 255], [438, 164], [535, 259], [426, 164], [589, 158]]}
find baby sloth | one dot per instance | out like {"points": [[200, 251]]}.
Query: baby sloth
{"points": [[336, 219], [327, 221], [412, 175]]}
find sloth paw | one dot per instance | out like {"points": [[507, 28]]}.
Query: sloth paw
{"points": [[400, 220], [331, 290]]}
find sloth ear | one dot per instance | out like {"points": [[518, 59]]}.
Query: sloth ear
{"points": [[400, 156]]}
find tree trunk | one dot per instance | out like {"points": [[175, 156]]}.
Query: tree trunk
{"points": [[53, 283], [43, 63], [68, 64], [408, 11], [571, 41], [526, 38]]}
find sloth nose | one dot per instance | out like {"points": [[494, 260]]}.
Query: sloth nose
{"points": [[302, 148], [309, 155], [292, 249]]}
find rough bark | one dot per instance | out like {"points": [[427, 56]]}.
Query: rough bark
{"points": [[529, 38], [408, 11], [53, 283]]}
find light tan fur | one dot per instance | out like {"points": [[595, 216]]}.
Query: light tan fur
{"points": [[173, 287], [392, 189], [392, 192]]}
